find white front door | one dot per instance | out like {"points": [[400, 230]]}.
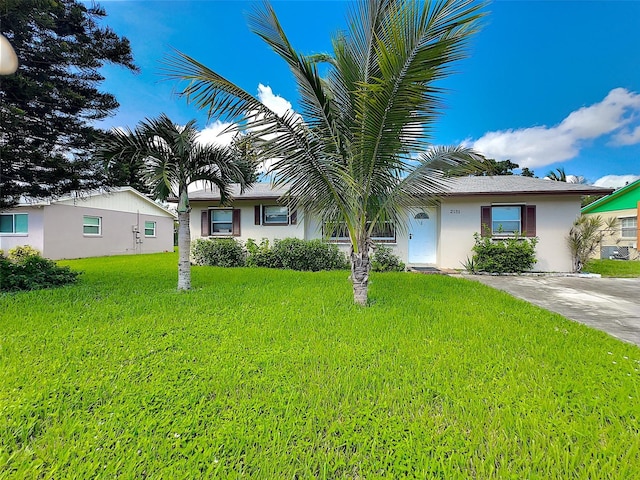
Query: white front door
{"points": [[422, 236]]}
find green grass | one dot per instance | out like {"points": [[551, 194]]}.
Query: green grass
{"points": [[614, 268], [275, 374]]}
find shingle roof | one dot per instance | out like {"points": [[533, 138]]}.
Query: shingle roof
{"points": [[518, 185], [258, 191], [462, 186]]}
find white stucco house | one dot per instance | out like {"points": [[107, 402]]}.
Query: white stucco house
{"points": [[439, 236], [117, 222]]}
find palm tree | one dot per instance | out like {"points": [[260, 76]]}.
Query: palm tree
{"points": [[169, 158], [560, 176], [349, 156]]}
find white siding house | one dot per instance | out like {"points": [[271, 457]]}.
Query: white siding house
{"points": [[440, 235], [122, 221]]}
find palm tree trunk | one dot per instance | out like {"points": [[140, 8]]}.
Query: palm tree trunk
{"points": [[184, 246], [360, 267]]}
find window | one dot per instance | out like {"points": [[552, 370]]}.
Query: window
{"points": [[382, 232], [149, 229], [92, 225], [629, 227], [14, 223], [274, 215], [508, 220], [220, 222]]}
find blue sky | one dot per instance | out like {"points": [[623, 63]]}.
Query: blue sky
{"points": [[547, 84]]}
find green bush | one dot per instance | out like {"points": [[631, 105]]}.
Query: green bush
{"points": [[32, 272], [510, 255], [22, 252], [296, 254], [383, 260], [260, 255], [218, 252]]}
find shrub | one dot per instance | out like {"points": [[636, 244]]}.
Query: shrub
{"points": [[296, 254], [219, 252], [511, 255], [383, 260], [260, 255], [584, 238], [32, 272], [22, 252]]}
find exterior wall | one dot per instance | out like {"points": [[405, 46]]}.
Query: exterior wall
{"points": [[248, 229], [64, 238], [460, 219], [614, 238], [35, 230], [457, 221]]}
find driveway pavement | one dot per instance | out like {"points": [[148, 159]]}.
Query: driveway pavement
{"points": [[608, 304]]}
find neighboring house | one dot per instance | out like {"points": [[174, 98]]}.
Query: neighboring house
{"points": [[439, 235], [117, 222], [622, 206]]}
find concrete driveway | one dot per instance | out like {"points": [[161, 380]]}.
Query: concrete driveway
{"points": [[608, 304]]}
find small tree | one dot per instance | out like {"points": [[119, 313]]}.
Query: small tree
{"points": [[584, 237], [169, 158]]}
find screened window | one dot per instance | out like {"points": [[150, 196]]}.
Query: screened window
{"points": [[221, 222], [383, 232], [506, 220], [629, 227], [149, 229], [14, 223], [92, 225], [275, 215]]}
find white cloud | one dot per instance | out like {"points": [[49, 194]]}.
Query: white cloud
{"points": [[213, 134], [627, 137], [615, 181], [272, 101], [618, 114]]}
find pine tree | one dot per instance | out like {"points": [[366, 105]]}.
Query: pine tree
{"points": [[49, 107]]}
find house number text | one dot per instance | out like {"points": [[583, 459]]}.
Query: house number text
{"points": [[454, 211]]}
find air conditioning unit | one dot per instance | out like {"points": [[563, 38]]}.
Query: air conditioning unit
{"points": [[614, 252]]}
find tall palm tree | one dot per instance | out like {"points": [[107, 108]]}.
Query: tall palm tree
{"points": [[169, 158], [349, 155]]}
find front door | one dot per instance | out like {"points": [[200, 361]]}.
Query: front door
{"points": [[422, 236]]}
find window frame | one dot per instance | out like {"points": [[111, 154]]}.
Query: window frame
{"points": [[268, 223], [153, 235], [213, 222], [528, 221], [632, 230], [206, 219], [506, 233], [342, 228], [85, 225], [14, 224]]}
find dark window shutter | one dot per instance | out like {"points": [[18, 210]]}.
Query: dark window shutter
{"points": [[485, 221], [294, 217], [205, 223], [530, 221], [236, 222], [256, 215]]}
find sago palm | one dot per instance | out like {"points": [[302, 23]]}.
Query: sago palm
{"points": [[351, 155], [169, 158]]}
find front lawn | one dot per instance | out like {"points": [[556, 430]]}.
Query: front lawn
{"points": [[276, 374], [614, 268]]}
